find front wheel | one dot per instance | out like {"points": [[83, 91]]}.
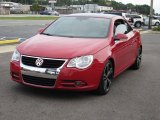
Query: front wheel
{"points": [[157, 24], [138, 60], [138, 24], [106, 79]]}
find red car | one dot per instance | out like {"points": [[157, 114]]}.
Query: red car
{"points": [[80, 52]]}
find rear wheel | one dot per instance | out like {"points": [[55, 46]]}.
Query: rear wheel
{"points": [[137, 62], [106, 79]]}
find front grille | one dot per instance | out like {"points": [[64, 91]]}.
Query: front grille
{"points": [[38, 81], [47, 63]]}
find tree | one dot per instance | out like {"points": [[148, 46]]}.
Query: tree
{"points": [[143, 9], [36, 7], [130, 6], [63, 2]]}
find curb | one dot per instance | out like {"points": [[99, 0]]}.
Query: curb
{"points": [[144, 32], [2, 42], [155, 32], [150, 31], [5, 40]]}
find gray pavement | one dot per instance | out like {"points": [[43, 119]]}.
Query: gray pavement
{"points": [[23, 22], [24, 31], [21, 28], [19, 31], [134, 95]]}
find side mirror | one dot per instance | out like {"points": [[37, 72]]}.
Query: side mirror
{"points": [[41, 30], [120, 37]]}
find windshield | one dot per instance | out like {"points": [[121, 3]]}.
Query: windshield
{"points": [[85, 27]]}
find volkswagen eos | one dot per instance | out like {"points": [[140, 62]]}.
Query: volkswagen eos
{"points": [[80, 52]]}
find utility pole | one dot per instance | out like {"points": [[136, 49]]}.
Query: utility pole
{"points": [[72, 6], [1, 6], [0, 3], [83, 5], [151, 15]]}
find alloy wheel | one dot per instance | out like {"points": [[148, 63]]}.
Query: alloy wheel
{"points": [[138, 25], [139, 58], [157, 24], [107, 76]]}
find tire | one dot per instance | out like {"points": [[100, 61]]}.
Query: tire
{"points": [[138, 24], [105, 82], [157, 24], [138, 60]]}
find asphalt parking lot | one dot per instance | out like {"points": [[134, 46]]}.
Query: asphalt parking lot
{"points": [[134, 95], [21, 28]]}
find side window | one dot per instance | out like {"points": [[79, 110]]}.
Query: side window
{"points": [[121, 27], [136, 16]]}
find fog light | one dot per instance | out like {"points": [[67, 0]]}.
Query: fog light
{"points": [[15, 75], [80, 83]]}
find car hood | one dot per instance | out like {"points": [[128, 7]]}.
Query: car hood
{"points": [[61, 47]]}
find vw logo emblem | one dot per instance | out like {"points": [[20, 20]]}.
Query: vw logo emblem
{"points": [[39, 62]]}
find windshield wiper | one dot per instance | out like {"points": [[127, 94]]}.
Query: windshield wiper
{"points": [[47, 34], [57, 35]]}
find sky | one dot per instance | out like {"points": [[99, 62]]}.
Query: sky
{"points": [[156, 4]]}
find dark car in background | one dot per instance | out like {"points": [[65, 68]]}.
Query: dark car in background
{"points": [[46, 12]]}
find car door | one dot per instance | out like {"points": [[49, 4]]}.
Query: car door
{"points": [[122, 50], [132, 41]]}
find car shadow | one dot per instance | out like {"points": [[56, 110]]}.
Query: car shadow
{"points": [[51, 94]]}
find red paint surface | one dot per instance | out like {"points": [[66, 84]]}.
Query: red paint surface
{"points": [[123, 54]]}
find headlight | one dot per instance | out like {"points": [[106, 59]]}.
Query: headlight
{"points": [[16, 56], [81, 62]]}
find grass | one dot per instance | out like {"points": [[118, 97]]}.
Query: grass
{"points": [[156, 29], [29, 18]]}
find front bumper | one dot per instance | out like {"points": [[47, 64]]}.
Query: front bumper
{"points": [[63, 78]]}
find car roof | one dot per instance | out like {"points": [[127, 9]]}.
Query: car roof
{"points": [[93, 15]]}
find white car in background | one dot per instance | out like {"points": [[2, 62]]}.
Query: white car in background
{"points": [[158, 17], [124, 15], [155, 21], [136, 20], [133, 19]]}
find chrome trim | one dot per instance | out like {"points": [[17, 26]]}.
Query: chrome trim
{"points": [[41, 72], [43, 57]]}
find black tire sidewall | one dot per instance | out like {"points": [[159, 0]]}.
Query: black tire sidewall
{"points": [[157, 24], [140, 24], [101, 90]]}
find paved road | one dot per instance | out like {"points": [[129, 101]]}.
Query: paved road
{"points": [[134, 95], [21, 28], [19, 31], [23, 22]]}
